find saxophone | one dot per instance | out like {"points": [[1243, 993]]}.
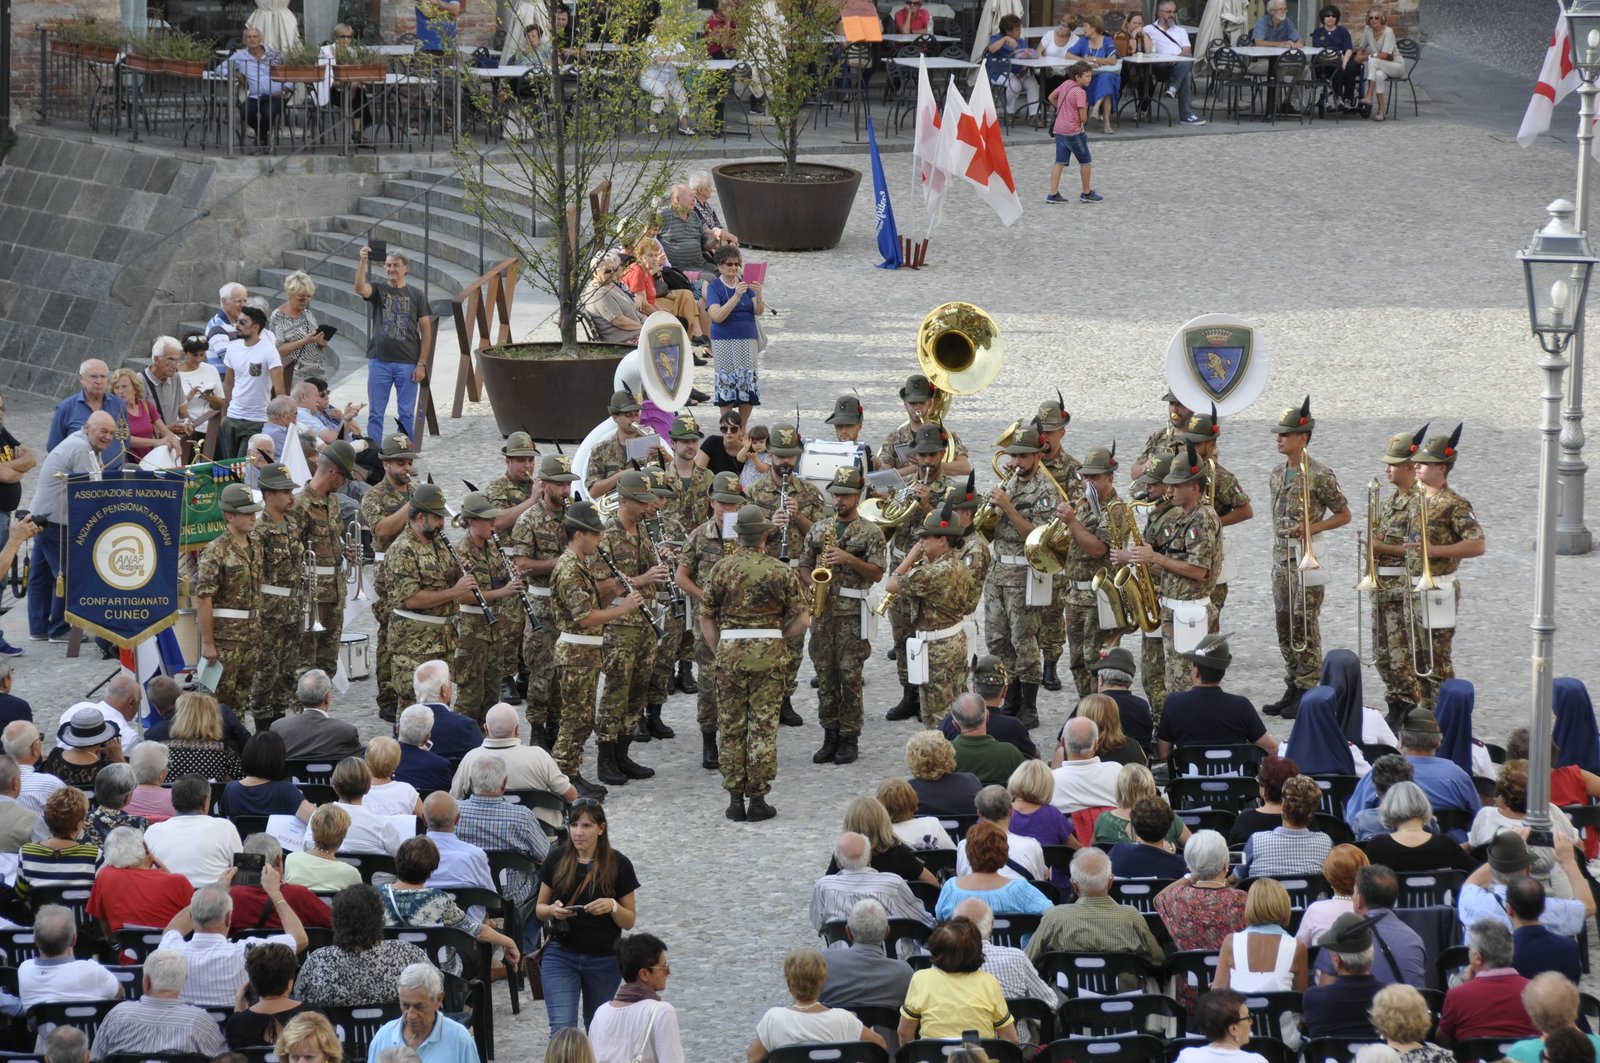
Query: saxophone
{"points": [[821, 576], [1140, 606]]}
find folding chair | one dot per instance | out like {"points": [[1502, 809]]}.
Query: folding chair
{"points": [[1139, 1013], [1268, 1010], [1336, 791], [1216, 760], [841, 1052], [1427, 889], [357, 1026], [1012, 928], [935, 1051], [1229, 792], [1140, 1048]]}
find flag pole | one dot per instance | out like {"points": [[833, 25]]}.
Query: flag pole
{"points": [[1572, 535]]}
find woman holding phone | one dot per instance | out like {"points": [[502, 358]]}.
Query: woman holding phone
{"points": [[734, 305], [297, 329]]}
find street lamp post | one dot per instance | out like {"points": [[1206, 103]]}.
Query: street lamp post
{"points": [[1557, 266]]}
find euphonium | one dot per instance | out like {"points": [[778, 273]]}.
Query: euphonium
{"points": [[821, 576]]}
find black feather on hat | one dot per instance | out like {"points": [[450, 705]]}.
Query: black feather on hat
{"points": [[1113, 453], [1194, 461], [1455, 437], [972, 484], [1421, 434], [1305, 410]]}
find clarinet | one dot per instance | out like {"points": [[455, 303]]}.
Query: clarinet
{"points": [[675, 594], [477, 592], [783, 499], [511, 574], [644, 607]]}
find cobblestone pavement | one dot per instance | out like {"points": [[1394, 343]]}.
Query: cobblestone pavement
{"points": [[1377, 264]]}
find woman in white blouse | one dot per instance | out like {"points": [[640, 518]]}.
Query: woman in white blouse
{"points": [[1383, 60]]}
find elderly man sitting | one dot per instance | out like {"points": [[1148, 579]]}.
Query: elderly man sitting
{"points": [[435, 1038], [1489, 1002], [1095, 923], [1341, 1008], [495, 824], [1084, 781], [461, 863], [1552, 1003], [862, 975], [253, 906], [1483, 894], [420, 766], [1010, 966], [215, 964], [977, 751], [834, 895], [454, 733], [526, 767], [159, 1022], [55, 975], [1024, 855]]}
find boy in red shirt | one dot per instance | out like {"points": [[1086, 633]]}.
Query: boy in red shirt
{"points": [[1071, 101]]}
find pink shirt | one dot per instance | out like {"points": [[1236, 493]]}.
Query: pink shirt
{"points": [[1068, 98], [908, 22]]}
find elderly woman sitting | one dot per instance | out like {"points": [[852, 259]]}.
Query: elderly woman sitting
{"points": [[1340, 869], [195, 745], [149, 799], [806, 1021], [1292, 849], [941, 790], [955, 994], [61, 860], [388, 796], [112, 788], [411, 902], [987, 851], [315, 867], [360, 967], [1409, 845], [85, 742], [616, 312], [1402, 1016], [700, 185], [1201, 909]]}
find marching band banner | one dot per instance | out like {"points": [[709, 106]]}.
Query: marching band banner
{"points": [[202, 497], [121, 559]]}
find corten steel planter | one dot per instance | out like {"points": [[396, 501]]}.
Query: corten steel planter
{"points": [[807, 214]]}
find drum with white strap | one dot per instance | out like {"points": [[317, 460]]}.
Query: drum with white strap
{"points": [[353, 651]]}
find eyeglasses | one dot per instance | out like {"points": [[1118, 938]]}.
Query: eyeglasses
{"points": [[585, 802], [606, 271], [1242, 1018], [344, 36], [1374, 18], [664, 968], [730, 428], [735, 263]]}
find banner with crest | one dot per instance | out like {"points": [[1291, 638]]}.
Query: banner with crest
{"points": [[121, 557]]}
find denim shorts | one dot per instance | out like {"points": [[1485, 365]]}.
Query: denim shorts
{"points": [[1070, 144]]}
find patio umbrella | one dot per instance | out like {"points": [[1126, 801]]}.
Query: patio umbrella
{"points": [[1223, 19], [280, 30], [989, 22]]}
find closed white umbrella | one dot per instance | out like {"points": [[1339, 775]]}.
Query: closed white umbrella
{"points": [[280, 30], [1223, 19], [989, 22]]}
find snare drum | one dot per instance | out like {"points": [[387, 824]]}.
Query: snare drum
{"points": [[353, 651], [824, 457]]}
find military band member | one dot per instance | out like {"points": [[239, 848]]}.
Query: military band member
{"points": [[630, 644], [282, 595], [929, 485], [854, 559], [1052, 420], [964, 502], [688, 509], [707, 545], [1086, 557], [1299, 616], [1167, 438], [318, 521], [847, 418], [1184, 556], [667, 536], [942, 593], [1224, 493], [537, 541], [917, 396], [512, 494], [384, 512], [752, 610], [1392, 598], [804, 506], [580, 621], [478, 657], [1152, 657], [227, 597], [1011, 625], [425, 589], [609, 457], [1453, 532]]}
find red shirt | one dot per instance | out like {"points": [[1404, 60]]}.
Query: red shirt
{"points": [[1567, 788], [1487, 1005], [138, 896], [908, 21], [252, 908]]}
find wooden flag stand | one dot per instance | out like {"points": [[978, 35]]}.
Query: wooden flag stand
{"points": [[913, 255]]}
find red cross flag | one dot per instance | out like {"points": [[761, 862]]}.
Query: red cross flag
{"points": [[932, 179], [1557, 79], [981, 153]]}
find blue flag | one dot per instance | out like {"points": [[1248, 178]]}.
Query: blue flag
{"points": [[121, 555], [888, 235]]}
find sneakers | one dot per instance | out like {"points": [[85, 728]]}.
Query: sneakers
{"points": [[1193, 119], [1091, 196], [8, 650], [36, 638], [1172, 93], [1055, 198]]}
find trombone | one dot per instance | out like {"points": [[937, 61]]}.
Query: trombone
{"points": [[1367, 571], [1417, 599], [1308, 562]]}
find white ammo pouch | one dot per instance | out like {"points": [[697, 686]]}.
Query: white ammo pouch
{"points": [[1311, 577], [1041, 589], [1438, 607], [1106, 616], [1189, 622], [1228, 566], [916, 660]]}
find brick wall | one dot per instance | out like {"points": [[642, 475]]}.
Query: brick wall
{"points": [[26, 18], [474, 26]]}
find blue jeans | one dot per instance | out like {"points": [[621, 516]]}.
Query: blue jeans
{"points": [[381, 376], [47, 614], [1182, 81], [566, 974]]}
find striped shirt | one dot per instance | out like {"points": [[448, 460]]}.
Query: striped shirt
{"points": [[157, 1024], [37, 786], [1286, 851], [69, 868], [493, 823], [216, 965], [1016, 974]]}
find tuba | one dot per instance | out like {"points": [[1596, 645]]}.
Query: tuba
{"points": [[960, 351]]}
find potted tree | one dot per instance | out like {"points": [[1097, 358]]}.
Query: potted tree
{"points": [[589, 128], [788, 205]]}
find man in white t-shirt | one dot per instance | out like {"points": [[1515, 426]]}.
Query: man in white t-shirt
{"points": [[55, 975], [1166, 37], [254, 375], [1024, 855], [193, 843]]}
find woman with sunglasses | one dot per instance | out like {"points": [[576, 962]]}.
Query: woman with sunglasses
{"points": [[1346, 74], [719, 452], [614, 309], [1383, 61], [734, 305], [637, 1024], [586, 891], [1225, 1022]]}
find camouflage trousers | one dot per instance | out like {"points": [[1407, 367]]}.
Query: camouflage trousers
{"points": [[1055, 632], [666, 663], [538, 657], [1443, 640], [1301, 667], [1219, 595], [705, 708], [508, 641], [411, 644], [476, 667], [947, 677], [381, 611], [577, 680], [278, 661], [1153, 673], [236, 642], [1391, 646], [321, 650], [626, 659], [797, 651], [839, 653], [747, 725], [900, 629], [1012, 630], [1084, 638], [1179, 672]]}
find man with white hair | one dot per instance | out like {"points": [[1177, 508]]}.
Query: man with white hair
{"points": [[121, 706], [79, 454], [1084, 781], [162, 386], [495, 824], [419, 765], [223, 328], [977, 751], [55, 975], [1095, 922], [454, 733], [435, 1037], [312, 733], [1010, 966], [280, 423], [526, 767], [159, 1022], [129, 889], [16, 819], [1024, 855], [862, 975], [461, 863], [834, 895], [307, 413], [24, 746], [66, 1044], [73, 412], [216, 965]]}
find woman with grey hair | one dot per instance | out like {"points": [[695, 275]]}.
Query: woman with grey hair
{"points": [[1201, 909], [149, 799], [1405, 811], [700, 184], [301, 340], [112, 788], [131, 889], [614, 311]]}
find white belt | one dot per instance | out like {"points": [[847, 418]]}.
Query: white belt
{"points": [[1010, 559], [751, 633], [539, 592], [424, 617], [377, 555], [233, 614], [281, 592], [1175, 603], [326, 570], [580, 640], [474, 609], [846, 592], [942, 634], [1083, 585], [1394, 570]]}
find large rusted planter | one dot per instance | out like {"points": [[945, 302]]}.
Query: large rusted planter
{"points": [[808, 214], [554, 396]]}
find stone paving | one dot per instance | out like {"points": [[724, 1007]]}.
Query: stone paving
{"points": [[1375, 261]]}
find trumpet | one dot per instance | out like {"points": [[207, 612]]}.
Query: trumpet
{"points": [[1367, 565], [1005, 441], [893, 511], [644, 607], [1417, 601], [355, 561], [821, 575], [310, 608], [477, 591], [511, 574], [1308, 562]]}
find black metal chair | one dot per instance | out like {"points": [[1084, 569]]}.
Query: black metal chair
{"points": [[1239, 759], [1140, 1048], [1411, 55], [1285, 84]]}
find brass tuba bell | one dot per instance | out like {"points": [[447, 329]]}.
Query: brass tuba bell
{"points": [[960, 351]]}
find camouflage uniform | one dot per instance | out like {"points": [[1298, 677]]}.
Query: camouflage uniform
{"points": [[1195, 538], [904, 436], [1230, 495], [975, 555], [411, 565], [230, 575], [606, 458], [663, 672], [1391, 616], [282, 588], [942, 593], [899, 544], [382, 501], [701, 552], [1450, 520], [1011, 627], [838, 652], [751, 590], [1053, 635], [316, 522], [538, 535], [506, 493], [574, 595], [630, 645], [1152, 650], [1162, 441], [1075, 584], [478, 654], [764, 493], [690, 509], [1302, 667]]}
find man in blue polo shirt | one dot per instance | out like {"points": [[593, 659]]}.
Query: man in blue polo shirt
{"points": [[1446, 785], [420, 1027], [73, 412]]}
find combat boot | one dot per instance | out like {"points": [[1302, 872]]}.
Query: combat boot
{"points": [[653, 724], [1275, 708], [1051, 680], [686, 681], [630, 767], [909, 706], [759, 809], [787, 716], [586, 788], [708, 751], [508, 691], [608, 770], [552, 730], [536, 737], [1291, 708], [1013, 702], [735, 810], [386, 712], [639, 733], [1399, 709], [1028, 709], [847, 750], [830, 746]]}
